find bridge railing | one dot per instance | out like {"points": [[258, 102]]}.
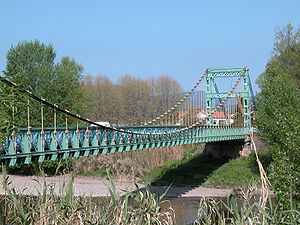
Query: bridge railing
{"points": [[60, 143]]}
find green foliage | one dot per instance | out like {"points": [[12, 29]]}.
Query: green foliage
{"points": [[278, 112], [97, 173], [32, 65], [9, 102], [265, 157], [49, 167]]}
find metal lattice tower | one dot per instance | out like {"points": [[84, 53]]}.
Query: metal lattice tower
{"points": [[213, 93]]}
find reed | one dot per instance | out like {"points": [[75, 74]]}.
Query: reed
{"points": [[64, 208], [244, 211]]}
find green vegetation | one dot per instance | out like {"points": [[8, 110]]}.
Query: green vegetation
{"points": [[31, 64], [237, 172], [278, 117], [96, 173], [197, 168], [51, 168], [9, 98]]}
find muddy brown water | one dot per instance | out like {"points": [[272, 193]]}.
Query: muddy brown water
{"points": [[186, 209]]}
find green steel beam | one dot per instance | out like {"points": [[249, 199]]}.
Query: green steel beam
{"points": [[73, 145], [223, 95], [226, 70], [246, 101]]}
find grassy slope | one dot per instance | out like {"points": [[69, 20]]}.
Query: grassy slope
{"points": [[237, 172], [199, 169]]}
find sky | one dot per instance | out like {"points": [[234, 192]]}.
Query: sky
{"points": [[150, 38]]}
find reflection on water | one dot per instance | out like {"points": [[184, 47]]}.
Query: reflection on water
{"points": [[186, 209]]}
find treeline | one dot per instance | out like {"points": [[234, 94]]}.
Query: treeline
{"points": [[34, 66], [130, 100]]}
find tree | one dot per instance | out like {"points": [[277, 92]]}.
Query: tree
{"points": [[32, 65], [130, 100], [285, 59], [9, 105], [135, 98], [89, 97], [103, 99], [166, 91], [67, 87], [279, 109]]}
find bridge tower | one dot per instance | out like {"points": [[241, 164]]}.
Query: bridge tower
{"points": [[213, 93]]}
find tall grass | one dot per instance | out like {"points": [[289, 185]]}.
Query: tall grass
{"points": [[243, 211], [64, 208], [140, 207]]}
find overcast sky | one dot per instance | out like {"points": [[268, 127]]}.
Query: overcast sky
{"points": [[150, 38]]}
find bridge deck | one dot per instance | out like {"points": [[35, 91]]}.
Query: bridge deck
{"points": [[38, 147]]}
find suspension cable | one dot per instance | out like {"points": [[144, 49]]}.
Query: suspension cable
{"points": [[128, 131], [178, 103]]}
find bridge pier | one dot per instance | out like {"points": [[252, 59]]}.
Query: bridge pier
{"points": [[229, 149]]}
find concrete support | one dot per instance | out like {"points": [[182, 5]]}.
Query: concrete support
{"points": [[229, 149]]}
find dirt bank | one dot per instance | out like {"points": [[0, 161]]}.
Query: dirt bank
{"points": [[86, 186]]}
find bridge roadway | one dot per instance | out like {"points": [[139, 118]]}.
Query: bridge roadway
{"points": [[62, 143]]}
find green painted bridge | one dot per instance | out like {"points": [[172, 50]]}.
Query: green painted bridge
{"points": [[203, 115]]}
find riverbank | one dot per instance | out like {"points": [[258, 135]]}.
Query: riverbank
{"points": [[191, 173], [97, 187]]}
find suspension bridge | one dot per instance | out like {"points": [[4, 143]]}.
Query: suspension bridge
{"points": [[203, 115]]}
